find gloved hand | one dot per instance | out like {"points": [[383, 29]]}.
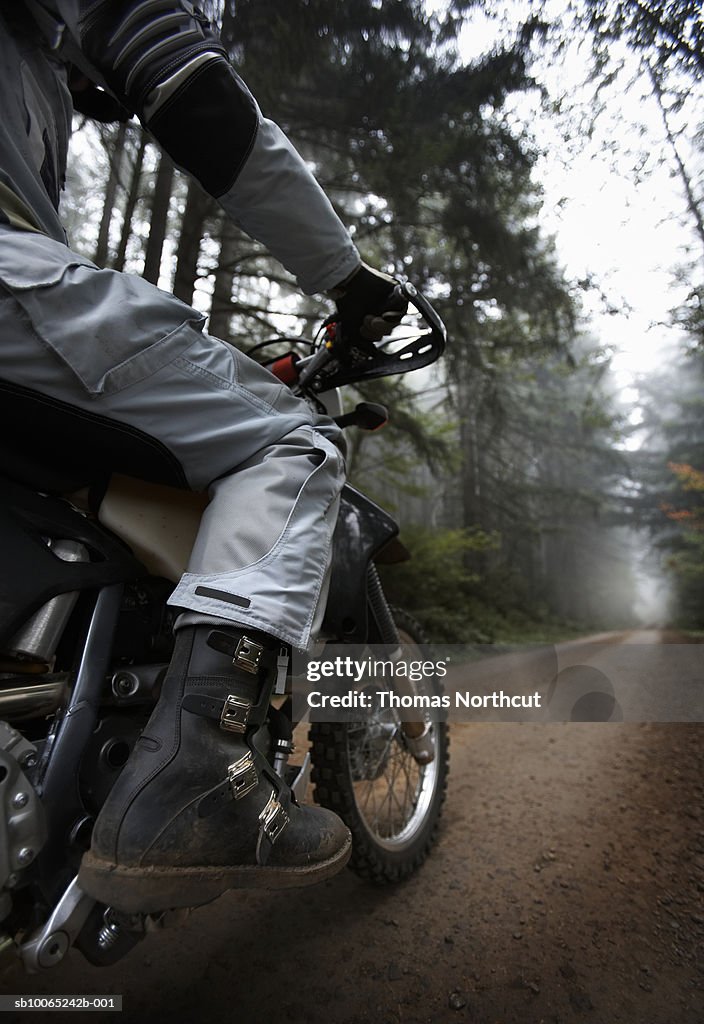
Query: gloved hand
{"points": [[369, 305]]}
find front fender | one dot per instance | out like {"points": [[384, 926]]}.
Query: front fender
{"points": [[362, 530]]}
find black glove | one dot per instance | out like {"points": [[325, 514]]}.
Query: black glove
{"points": [[369, 305]]}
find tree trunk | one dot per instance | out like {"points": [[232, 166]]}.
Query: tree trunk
{"points": [[467, 398], [130, 203], [116, 155], [221, 309], [197, 206], [159, 219]]}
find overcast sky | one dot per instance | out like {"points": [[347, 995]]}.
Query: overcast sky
{"points": [[628, 232]]}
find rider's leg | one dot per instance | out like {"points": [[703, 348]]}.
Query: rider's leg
{"points": [[197, 809], [114, 349]]}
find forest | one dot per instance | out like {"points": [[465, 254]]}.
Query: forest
{"points": [[543, 491]]}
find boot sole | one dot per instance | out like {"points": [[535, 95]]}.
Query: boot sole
{"points": [[150, 890]]}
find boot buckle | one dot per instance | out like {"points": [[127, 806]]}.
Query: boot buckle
{"points": [[248, 655], [273, 819], [235, 714], [242, 775]]}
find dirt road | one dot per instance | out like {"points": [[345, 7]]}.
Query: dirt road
{"points": [[568, 885]]}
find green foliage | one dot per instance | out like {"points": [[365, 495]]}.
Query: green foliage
{"points": [[456, 605], [410, 455], [686, 562], [671, 32], [435, 585], [670, 500], [690, 316]]}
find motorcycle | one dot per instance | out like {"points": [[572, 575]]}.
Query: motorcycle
{"points": [[86, 637]]}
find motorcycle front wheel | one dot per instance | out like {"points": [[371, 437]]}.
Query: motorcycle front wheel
{"points": [[366, 773]]}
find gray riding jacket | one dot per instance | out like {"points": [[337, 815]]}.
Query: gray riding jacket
{"points": [[162, 60]]}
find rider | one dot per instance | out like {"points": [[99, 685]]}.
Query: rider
{"points": [[108, 372]]}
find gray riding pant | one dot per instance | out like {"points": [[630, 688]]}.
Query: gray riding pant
{"points": [[116, 346]]}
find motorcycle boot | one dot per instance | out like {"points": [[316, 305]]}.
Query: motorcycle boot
{"points": [[198, 809]]}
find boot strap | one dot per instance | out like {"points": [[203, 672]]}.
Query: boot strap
{"points": [[231, 714], [246, 653], [242, 778]]}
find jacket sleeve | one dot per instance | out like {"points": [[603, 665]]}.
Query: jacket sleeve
{"points": [[162, 59]]}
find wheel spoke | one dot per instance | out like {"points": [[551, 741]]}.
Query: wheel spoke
{"points": [[402, 806], [387, 781]]}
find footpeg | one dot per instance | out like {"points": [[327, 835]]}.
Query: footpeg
{"points": [[50, 943]]}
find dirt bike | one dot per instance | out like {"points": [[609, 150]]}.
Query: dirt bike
{"points": [[86, 637]]}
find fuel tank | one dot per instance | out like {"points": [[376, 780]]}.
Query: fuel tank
{"points": [[158, 523]]}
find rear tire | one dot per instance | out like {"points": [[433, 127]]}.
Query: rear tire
{"points": [[365, 773]]}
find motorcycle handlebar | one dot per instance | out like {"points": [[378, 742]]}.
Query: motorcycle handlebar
{"points": [[325, 370], [314, 365]]}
